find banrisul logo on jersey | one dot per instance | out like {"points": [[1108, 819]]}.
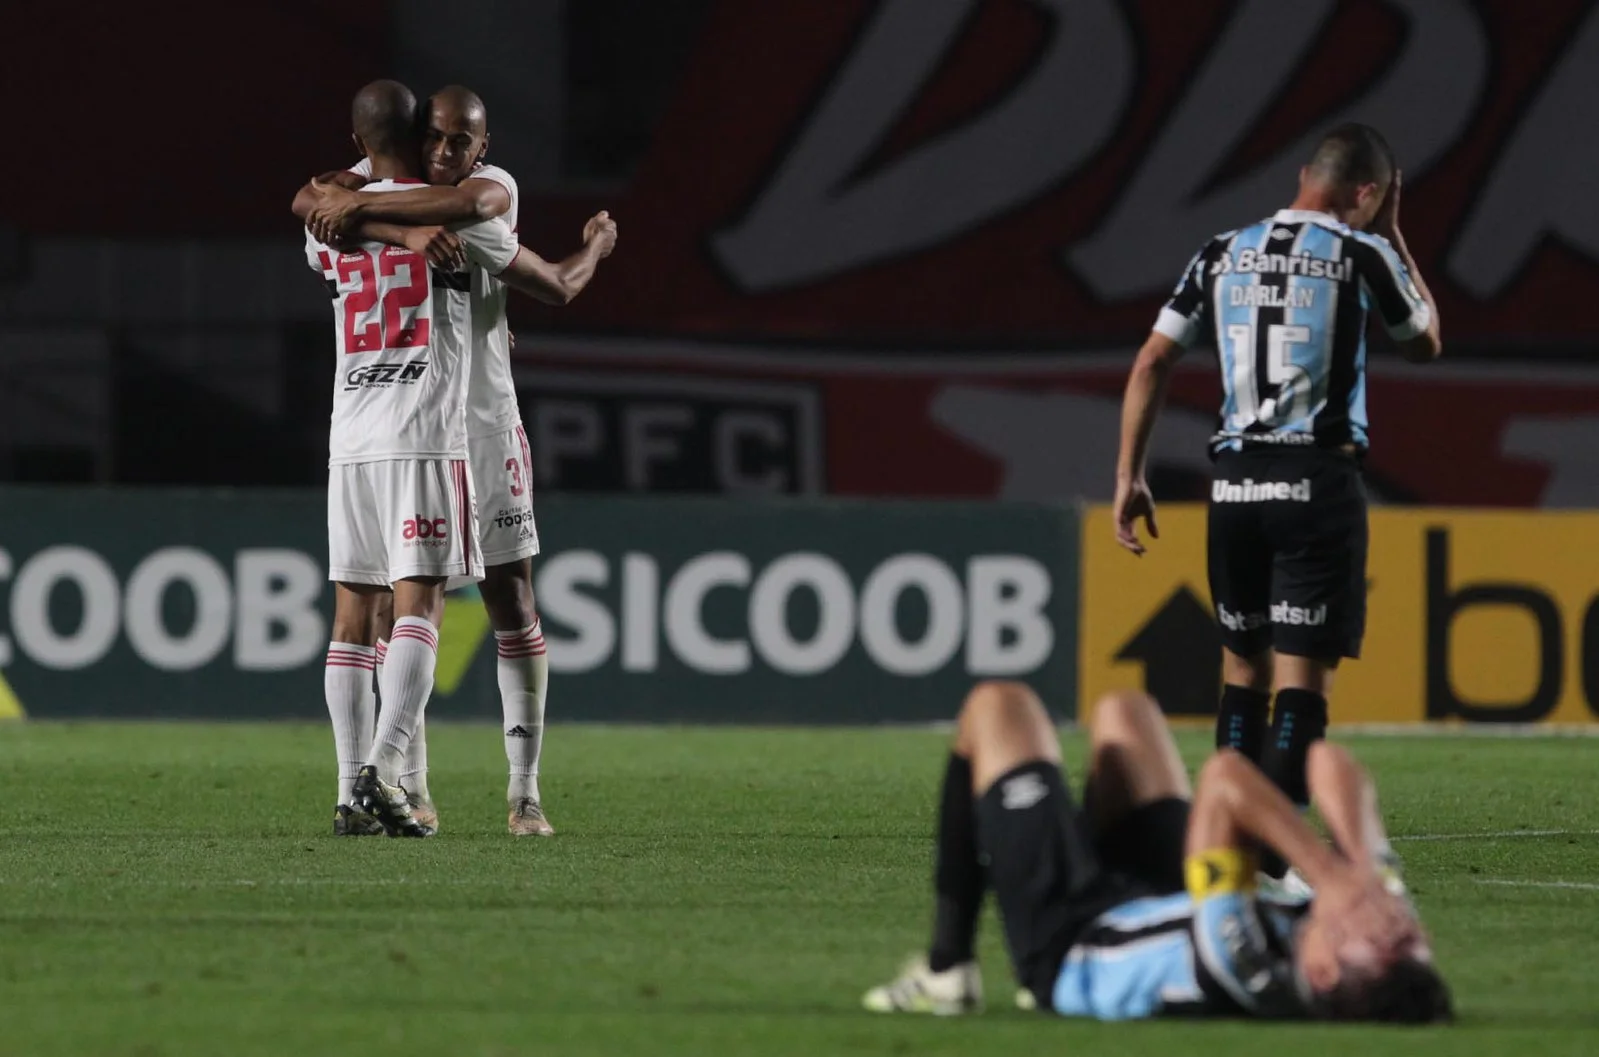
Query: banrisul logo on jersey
{"points": [[848, 612]]}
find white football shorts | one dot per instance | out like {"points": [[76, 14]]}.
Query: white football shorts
{"points": [[502, 470], [399, 518]]}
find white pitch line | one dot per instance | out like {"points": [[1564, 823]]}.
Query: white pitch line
{"points": [[1584, 886], [1504, 834]]}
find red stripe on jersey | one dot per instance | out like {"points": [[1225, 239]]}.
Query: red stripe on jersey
{"points": [[508, 267]]}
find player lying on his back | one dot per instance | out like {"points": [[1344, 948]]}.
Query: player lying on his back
{"points": [[456, 141], [478, 300], [1141, 903]]}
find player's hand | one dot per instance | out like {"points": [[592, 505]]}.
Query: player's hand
{"points": [[1365, 920], [1386, 222], [1134, 501], [442, 247], [600, 231], [335, 210]]}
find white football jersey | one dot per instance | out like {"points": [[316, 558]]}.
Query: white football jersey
{"points": [[404, 338], [491, 406]]}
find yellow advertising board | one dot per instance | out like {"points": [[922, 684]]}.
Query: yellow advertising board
{"points": [[1473, 616]]}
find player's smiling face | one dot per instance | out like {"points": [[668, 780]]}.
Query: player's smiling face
{"points": [[455, 142]]}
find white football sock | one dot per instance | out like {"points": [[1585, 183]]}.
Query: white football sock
{"points": [[524, 672], [405, 686], [414, 775], [347, 683]]}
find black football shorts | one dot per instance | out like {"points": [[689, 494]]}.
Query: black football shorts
{"points": [[1287, 552]]}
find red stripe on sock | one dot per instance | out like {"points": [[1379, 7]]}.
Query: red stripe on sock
{"points": [[431, 642], [352, 658]]}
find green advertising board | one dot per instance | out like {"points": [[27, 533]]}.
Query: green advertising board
{"points": [[184, 603]]}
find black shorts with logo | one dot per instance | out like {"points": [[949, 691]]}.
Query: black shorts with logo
{"points": [[1287, 552], [1052, 875]]}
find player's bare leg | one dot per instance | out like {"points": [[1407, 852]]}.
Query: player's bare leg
{"points": [[1133, 760], [524, 676], [406, 686], [348, 688], [1001, 727]]}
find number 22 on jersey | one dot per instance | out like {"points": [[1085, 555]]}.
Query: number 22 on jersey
{"points": [[394, 280]]}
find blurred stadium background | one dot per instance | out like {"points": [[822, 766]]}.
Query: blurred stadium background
{"points": [[825, 441], [872, 251]]}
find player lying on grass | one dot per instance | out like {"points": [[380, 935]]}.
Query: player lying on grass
{"points": [[1141, 903]]}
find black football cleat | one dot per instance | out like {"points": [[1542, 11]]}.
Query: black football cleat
{"points": [[388, 804], [350, 822]]}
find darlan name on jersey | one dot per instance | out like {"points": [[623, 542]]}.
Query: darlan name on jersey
{"points": [[383, 375], [1256, 262]]}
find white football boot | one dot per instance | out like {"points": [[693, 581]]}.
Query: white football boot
{"points": [[917, 989]]}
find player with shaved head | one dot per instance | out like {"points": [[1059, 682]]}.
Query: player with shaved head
{"points": [[466, 190]]}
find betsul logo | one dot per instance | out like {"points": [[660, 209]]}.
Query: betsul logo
{"points": [[425, 532]]}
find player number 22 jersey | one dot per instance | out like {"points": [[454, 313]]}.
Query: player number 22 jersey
{"points": [[491, 404], [403, 332]]}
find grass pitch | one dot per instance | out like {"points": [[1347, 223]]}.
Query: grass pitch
{"points": [[172, 889]]}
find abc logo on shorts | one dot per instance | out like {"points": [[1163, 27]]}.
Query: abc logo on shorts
{"points": [[421, 528]]}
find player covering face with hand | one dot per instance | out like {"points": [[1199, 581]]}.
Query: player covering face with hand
{"points": [[1142, 903]]}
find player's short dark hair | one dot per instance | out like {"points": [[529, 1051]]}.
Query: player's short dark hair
{"points": [[383, 114], [1351, 155], [463, 99], [1410, 992]]}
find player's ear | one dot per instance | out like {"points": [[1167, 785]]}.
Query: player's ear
{"points": [[360, 148], [483, 152]]}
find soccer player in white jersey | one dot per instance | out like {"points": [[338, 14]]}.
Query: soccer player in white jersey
{"points": [[400, 503], [456, 140]]}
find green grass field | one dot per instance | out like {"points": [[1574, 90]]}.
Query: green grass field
{"points": [[172, 889]]}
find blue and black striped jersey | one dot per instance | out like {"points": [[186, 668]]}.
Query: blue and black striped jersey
{"points": [[1285, 302], [1229, 955]]}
